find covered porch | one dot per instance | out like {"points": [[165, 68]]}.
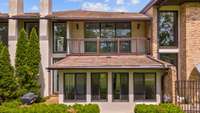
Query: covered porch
{"points": [[110, 79]]}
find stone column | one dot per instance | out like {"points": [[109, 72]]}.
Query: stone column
{"points": [[45, 9], [88, 88], [109, 87], [15, 8], [131, 95]]}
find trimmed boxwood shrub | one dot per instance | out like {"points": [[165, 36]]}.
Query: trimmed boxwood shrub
{"points": [[17, 107], [162, 108]]}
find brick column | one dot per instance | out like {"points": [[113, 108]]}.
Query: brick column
{"points": [[15, 8], [61, 88], [109, 87], [131, 95], [45, 9], [88, 88]]}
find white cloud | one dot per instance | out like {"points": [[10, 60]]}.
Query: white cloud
{"points": [[35, 8], [106, 0], [95, 6], [135, 1], [120, 9], [119, 2]]}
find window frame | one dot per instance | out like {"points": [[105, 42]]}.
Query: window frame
{"points": [[143, 74], [175, 29], [75, 100], [99, 100], [32, 22], [65, 38]]}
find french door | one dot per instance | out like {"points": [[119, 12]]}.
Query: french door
{"points": [[75, 87]]}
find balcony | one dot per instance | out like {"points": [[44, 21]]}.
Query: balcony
{"points": [[104, 46]]}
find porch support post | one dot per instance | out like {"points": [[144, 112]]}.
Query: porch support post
{"points": [[61, 88], [158, 87], [68, 37], [109, 87], [131, 96], [88, 89]]}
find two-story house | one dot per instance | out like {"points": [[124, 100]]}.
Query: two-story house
{"points": [[110, 57]]}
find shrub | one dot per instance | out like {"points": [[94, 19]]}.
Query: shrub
{"points": [[162, 108], [17, 107], [8, 85]]}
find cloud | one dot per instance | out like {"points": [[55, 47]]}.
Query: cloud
{"points": [[95, 6], [34, 8], [120, 9], [119, 2], [135, 1]]}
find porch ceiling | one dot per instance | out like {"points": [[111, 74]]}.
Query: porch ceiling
{"points": [[109, 62]]}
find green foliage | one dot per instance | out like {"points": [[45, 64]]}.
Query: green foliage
{"points": [[162, 108], [21, 61], [33, 62], [17, 107], [8, 84], [28, 62]]}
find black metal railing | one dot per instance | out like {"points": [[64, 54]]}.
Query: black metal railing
{"points": [[187, 95]]}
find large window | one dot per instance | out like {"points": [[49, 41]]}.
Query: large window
{"points": [[120, 85], [4, 32], [168, 28], [99, 86], [59, 37], [30, 25], [75, 87], [105, 31], [145, 86]]}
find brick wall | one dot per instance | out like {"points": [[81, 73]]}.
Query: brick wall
{"points": [[190, 40]]}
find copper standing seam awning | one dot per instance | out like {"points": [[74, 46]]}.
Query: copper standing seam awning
{"points": [[109, 62]]}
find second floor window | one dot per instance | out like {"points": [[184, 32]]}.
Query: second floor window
{"points": [[4, 33], [168, 29], [59, 37], [30, 25]]}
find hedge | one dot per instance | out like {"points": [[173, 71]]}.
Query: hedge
{"points": [[162, 108], [17, 107]]}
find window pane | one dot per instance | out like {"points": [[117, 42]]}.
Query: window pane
{"points": [[125, 46], [90, 46], [4, 33], [170, 58], [120, 86], [168, 25], [75, 87], [99, 86], [139, 88], [92, 30], [30, 25], [107, 30], [108, 46], [123, 30], [150, 86], [144, 86], [59, 37]]}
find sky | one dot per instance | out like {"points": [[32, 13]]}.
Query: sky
{"points": [[93, 5]]}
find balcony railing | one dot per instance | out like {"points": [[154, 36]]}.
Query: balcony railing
{"points": [[98, 46]]}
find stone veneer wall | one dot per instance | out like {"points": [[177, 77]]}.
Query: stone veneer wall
{"points": [[190, 40]]}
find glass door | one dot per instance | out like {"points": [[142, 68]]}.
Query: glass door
{"points": [[120, 85]]}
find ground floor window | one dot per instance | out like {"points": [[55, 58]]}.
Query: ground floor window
{"points": [[99, 86], [75, 86], [145, 86], [120, 85]]}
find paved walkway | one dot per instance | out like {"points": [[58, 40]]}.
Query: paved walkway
{"points": [[116, 107]]}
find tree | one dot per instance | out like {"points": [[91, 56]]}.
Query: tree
{"points": [[33, 62], [8, 85], [21, 60]]}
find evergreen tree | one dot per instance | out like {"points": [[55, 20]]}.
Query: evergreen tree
{"points": [[33, 62], [21, 61], [8, 85]]}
